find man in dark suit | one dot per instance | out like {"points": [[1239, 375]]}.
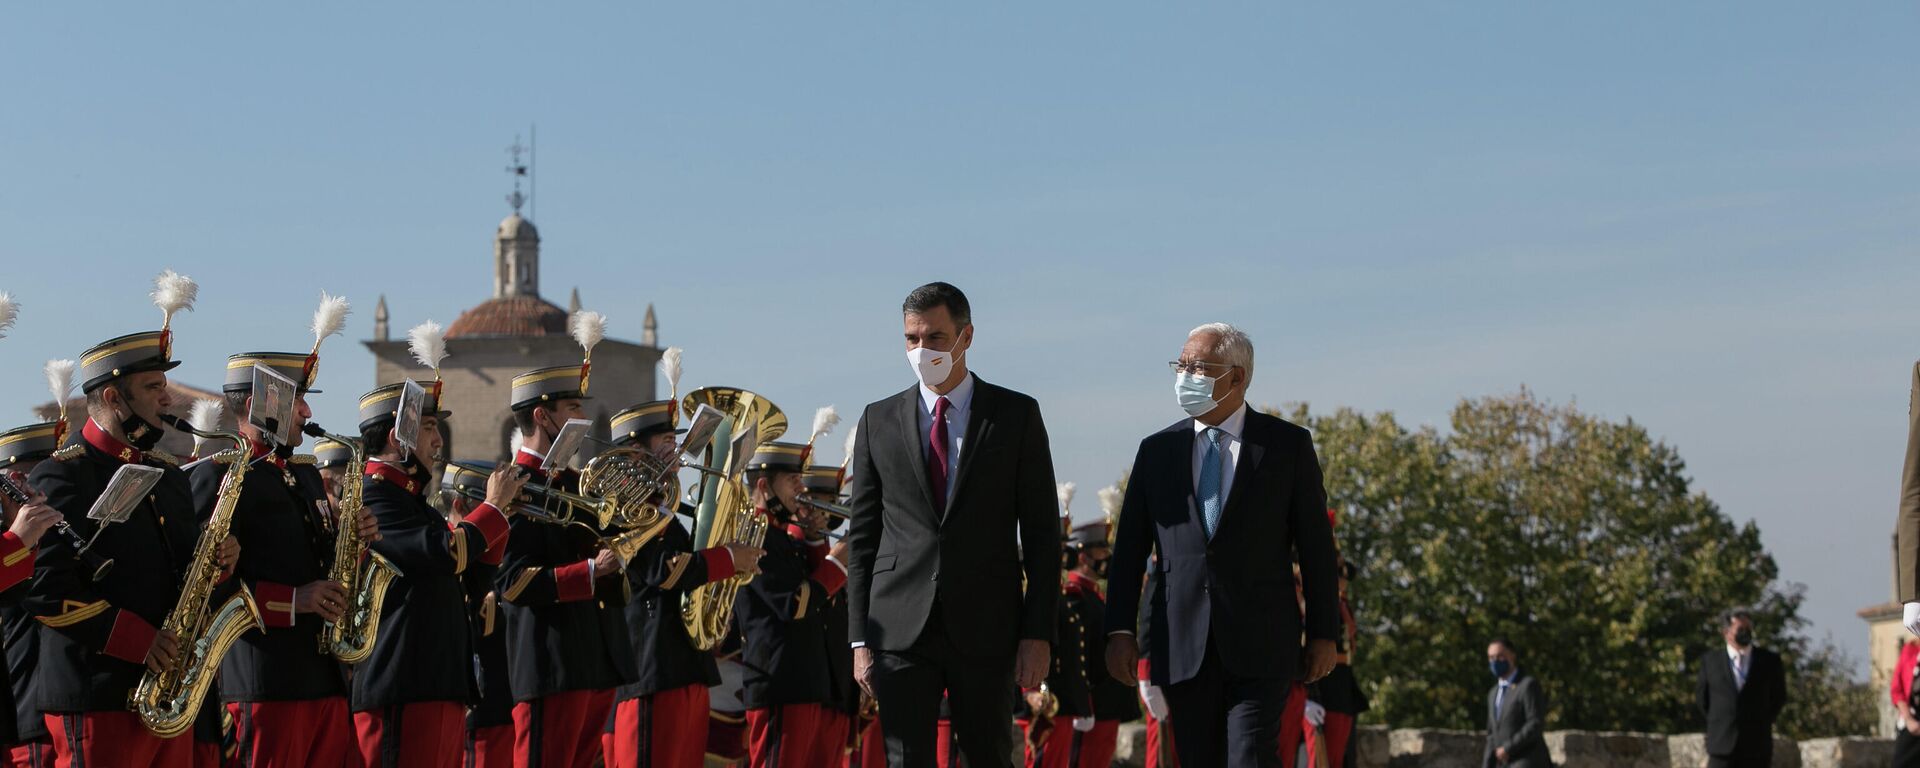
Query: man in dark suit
{"points": [[953, 501], [1228, 499], [1516, 713], [1742, 689]]}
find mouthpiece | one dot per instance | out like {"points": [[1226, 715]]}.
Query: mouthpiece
{"points": [[314, 431]]}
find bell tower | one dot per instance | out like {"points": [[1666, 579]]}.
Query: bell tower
{"points": [[516, 245]]}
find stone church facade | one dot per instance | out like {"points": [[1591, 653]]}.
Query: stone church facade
{"points": [[513, 332]]}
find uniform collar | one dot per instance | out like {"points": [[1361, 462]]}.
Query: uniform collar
{"points": [[380, 470], [528, 459], [264, 450], [110, 445], [1080, 581]]}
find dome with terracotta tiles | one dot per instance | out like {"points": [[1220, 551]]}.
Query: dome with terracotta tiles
{"points": [[510, 316]]}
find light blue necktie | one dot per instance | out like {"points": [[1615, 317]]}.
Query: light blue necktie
{"points": [[1210, 482]]}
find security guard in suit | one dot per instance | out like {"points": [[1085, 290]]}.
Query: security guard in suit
{"points": [[660, 719]]}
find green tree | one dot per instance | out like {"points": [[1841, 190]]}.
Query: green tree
{"points": [[1578, 537]]}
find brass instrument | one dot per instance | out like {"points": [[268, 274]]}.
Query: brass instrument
{"points": [[836, 510], [557, 507], [168, 701], [351, 638], [725, 513]]}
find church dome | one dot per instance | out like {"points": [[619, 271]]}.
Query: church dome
{"points": [[516, 228], [510, 316]]}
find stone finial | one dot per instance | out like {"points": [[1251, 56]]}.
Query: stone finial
{"points": [[650, 334], [573, 304], [380, 319]]}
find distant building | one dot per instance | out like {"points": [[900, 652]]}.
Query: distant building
{"points": [[1885, 636], [513, 332], [173, 441]]}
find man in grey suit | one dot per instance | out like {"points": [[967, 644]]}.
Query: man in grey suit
{"points": [[1516, 712]]}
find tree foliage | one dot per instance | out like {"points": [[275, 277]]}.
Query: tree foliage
{"points": [[1579, 538]]}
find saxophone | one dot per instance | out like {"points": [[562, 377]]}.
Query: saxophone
{"points": [[351, 638], [169, 700]]}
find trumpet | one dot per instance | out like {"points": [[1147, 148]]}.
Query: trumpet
{"points": [[836, 510], [624, 544]]}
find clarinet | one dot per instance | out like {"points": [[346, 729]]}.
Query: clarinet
{"points": [[82, 548]]}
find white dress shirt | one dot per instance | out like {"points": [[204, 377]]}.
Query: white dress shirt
{"points": [[959, 409], [1740, 660], [1234, 426]]}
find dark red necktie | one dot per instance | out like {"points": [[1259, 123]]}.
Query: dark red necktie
{"points": [[937, 458]]}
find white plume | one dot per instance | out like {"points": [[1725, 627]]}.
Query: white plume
{"points": [[205, 417], [1110, 498], [330, 317], [9, 309], [514, 443], [824, 420], [852, 434], [670, 367], [588, 328], [173, 292], [428, 343], [1066, 496], [60, 381]]}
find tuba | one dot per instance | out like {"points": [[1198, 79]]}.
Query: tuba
{"points": [[351, 638], [725, 514], [169, 700]]}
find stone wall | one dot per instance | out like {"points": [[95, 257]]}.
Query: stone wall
{"points": [[1379, 747]]}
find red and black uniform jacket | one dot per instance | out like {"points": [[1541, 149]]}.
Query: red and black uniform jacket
{"points": [[94, 646], [284, 524], [664, 571], [1067, 680], [845, 693], [781, 619], [1112, 699], [424, 651], [566, 628], [22, 722], [489, 632]]}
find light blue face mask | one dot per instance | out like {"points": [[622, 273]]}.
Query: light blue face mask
{"points": [[1195, 393]]}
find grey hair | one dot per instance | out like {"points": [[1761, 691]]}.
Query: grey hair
{"points": [[1231, 345]]}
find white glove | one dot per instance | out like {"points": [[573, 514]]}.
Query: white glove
{"points": [[1156, 701], [1316, 715], [1912, 618], [1083, 724]]}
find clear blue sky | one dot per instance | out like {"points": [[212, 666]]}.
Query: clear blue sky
{"points": [[1702, 216]]}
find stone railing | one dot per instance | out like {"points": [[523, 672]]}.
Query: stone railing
{"points": [[1377, 747]]}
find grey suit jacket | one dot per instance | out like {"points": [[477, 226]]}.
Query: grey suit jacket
{"points": [[1519, 725]]}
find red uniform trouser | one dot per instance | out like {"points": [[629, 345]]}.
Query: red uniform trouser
{"points": [[666, 729], [113, 738], [1097, 746], [312, 732], [207, 755], [489, 747], [560, 730], [1292, 721], [872, 751], [422, 733], [830, 747], [783, 736], [33, 754], [1337, 730], [1055, 750], [945, 746]]}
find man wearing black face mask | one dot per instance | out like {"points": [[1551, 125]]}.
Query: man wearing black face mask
{"points": [[1742, 690], [1516, 713], [1114, 701]]}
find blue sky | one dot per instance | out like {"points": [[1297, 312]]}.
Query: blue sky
{"points": [[1700, 216]]}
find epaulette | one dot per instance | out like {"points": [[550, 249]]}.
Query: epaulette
{"points": [[69, 452], [164, 457], [303, 459]]}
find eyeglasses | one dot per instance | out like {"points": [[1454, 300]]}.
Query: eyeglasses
{"points": [[1198, 367]]}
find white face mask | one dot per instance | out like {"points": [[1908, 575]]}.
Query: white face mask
{"points": [[1194, 392], [931, 365]]}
